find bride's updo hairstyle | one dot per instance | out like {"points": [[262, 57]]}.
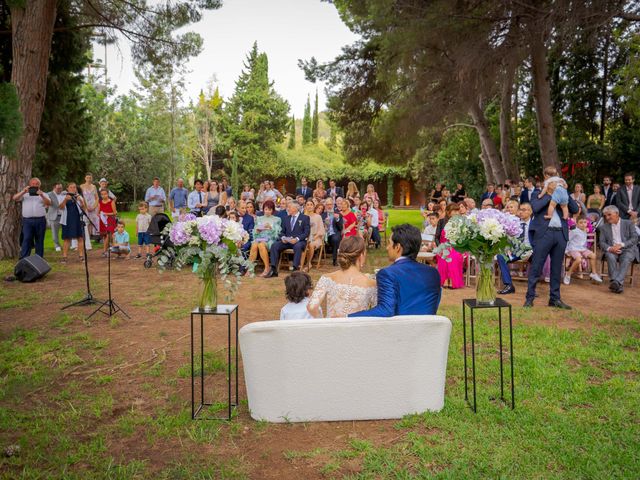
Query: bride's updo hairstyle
{"points": [[349, 251]]}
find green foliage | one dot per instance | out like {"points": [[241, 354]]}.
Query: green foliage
{"points": [[315, 122], [292, 133], [306, 124], [10, 119]]}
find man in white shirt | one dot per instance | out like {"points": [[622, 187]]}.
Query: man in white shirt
{"points": [[34, 223], [197, 200], [374, 222], [619, 242], [54, 213]]}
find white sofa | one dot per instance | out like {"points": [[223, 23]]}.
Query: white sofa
{"points": [[345, 369]]}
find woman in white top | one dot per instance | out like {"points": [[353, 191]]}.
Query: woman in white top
{"points": [[347, 290]]}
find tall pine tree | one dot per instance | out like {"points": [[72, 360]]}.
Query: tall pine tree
{"points": [[306, 124], [292, 133], [314, 125]]}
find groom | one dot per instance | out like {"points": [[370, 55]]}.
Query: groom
{"points": [[405, 287]]}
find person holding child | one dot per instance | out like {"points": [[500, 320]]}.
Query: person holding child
{"points": [[143, 220], [298, 289], [108, 213], [121, 241]]}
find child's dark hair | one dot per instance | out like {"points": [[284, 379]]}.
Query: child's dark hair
{"points": [[298, 285]]}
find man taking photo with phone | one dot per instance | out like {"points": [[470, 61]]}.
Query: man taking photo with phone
{"points": [[34, 223]]}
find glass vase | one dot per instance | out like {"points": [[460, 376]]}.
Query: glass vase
{"points": [[209, 292], [485, 284]]}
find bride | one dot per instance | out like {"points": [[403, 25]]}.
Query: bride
{"points": [[347, 290]]}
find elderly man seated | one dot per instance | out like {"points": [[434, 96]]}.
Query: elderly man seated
{"points": [[618, 241]]}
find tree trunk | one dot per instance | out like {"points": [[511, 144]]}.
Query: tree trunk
{"points": [[505, 123], [485, 163], [32, 34], [605, 82], [542, 99], [486, 141]]}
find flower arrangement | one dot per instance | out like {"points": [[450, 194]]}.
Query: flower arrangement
{"points": [[485, 234], [212, 244]]}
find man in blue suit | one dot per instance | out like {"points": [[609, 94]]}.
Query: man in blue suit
{"points": [[529, 191], [548, 238], [304, 189], [406, 287], [295, 232]]}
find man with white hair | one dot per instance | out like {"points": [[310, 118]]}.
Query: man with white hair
{"points": [[619, 242], [34, 223]]}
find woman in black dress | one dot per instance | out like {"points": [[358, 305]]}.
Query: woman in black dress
{"points": [[436, 193], [70, 221], [460, 194]]}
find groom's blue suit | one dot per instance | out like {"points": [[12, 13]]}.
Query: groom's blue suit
{"points": [[406, 288]]}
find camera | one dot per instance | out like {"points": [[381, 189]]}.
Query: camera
{"points": [[33, 191]]}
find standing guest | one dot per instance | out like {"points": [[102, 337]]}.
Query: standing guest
{"points": [[34, 223], [374, 222], [295, 233], [619, 242], [334, 191], [320, 193], [91, 199], [247, 193], [524, 212], [352, 190], [54, 213], [143, 220], [371, 194], [70, 220], [213, 197], [334, 225], [460, 194], [381, 223], [298, 290], [549, 237], [490, 193], [155, 197], [108, 214], [197, 200], [578, 194], [628, 199], [265, 233], [517, 192], [616, 188], [304, 189], [452, 267], [317, 231], [607, 191], [350, 228], [596, 201], [436, 193], [530, 191], [178, 199], [105, 184], [578, 250], [226, 188], [121, 242], [272, 187]]}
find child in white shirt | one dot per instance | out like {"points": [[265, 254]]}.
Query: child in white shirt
{"points": [[298, 286], [578, 250]]}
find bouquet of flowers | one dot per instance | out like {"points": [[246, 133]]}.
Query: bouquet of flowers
{"points": [[212, 244], [485, 234]]}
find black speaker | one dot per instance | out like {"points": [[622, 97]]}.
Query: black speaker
{"points": [[32, 268]]}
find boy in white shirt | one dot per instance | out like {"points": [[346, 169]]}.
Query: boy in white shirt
{"points": [[143, 219], [429, 233], [298, 286], [578, 250]]}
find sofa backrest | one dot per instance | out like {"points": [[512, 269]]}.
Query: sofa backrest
{"points": [[345, 369]]}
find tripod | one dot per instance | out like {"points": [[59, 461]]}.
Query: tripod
{"points": [[110, 304], [88, 299]]}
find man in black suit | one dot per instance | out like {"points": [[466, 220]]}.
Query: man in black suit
{"points": [[607, 191], [334, 191], [304, 190], [295, 232], [248, 223], [628, 199], [529, 191]]}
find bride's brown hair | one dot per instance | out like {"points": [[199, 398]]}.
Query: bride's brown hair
{"points": [[349, 251]]}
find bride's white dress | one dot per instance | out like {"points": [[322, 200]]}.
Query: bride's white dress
{"points": [[343, 299]]}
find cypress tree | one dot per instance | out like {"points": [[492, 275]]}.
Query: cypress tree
{"points": [[306, 124], [315, 126], [292, 133]]}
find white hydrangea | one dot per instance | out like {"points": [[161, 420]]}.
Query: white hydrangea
{"points": [[491, 230], [234, 232]]}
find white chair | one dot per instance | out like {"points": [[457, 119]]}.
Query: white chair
{"points": [[345, 369]]}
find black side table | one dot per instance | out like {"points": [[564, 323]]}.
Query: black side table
{"points": [[221, 310], [473, 305]]}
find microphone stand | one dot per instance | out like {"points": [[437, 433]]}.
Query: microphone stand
{"points": [[88, 299], [110, 303]]}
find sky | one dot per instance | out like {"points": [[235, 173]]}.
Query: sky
{"points": [[287, 30]]}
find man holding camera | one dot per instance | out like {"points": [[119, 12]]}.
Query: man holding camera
{"points": [[34, 223]]}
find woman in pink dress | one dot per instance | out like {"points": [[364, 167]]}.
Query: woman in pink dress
{"points": [[452, 267]]}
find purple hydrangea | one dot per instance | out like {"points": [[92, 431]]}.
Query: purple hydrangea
{"points": [[510, 223], [178, 234], [210, 228]]}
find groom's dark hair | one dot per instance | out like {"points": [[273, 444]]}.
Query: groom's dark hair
{"points": [[409, 238]]}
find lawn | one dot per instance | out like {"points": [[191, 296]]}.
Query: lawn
{"points": [[110, 398]]}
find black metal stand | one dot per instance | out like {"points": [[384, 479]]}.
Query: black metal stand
{"points": [[221, 310], [110, 304], [499, 304], [88, 299]]}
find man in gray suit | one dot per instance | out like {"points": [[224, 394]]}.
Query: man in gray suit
{"points": [[619, 242], [54, 213]]}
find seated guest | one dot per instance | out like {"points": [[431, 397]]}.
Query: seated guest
{"points": [[471, 205], [429, 233], [350, 227], [248, 223], [246, 194], [334, 225], [295, 233], [487, 203], [490, 193], [371, 194], [619, 242], [406, 287], [231, 204], [525, 212], [452, 267], [578, 249], [219, 211], [298, 289], [316, 236], [460, 194], [197, 200], [320, 193], [265, 232]]}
